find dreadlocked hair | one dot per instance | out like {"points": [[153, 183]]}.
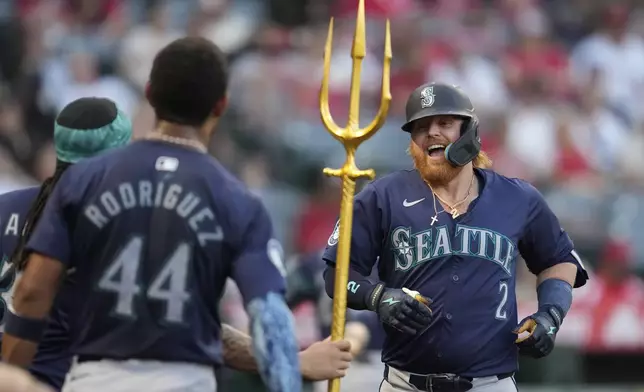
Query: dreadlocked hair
{"points": [[84, 128], [20, 255]]}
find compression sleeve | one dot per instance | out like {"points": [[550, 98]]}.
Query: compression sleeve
{"points": [[555, 292], [274, 344], [358, 290]]}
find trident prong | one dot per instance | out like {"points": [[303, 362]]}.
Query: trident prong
{"points": [[351, 136], [385, 99], [325, 111]]}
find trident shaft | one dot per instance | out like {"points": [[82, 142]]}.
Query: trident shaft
{"points": [[351, 137]]}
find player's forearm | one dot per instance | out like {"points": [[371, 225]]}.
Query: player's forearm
{"points": [[554, 289], [359, 288], [32, 299], [274, 346], [26, 321], [238, 349], [36, 290], [26, 318]]}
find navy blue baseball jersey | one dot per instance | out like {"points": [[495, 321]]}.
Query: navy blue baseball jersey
{"points": [[467, 266], [53, 359], [152, 231]]}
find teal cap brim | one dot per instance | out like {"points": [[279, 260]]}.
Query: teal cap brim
{"points": [[73, 145]]}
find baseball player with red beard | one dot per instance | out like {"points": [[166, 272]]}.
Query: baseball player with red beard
{"points": [[448, 235]]}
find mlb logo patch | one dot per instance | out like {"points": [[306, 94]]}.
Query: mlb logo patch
{"points": [[168, 164]]}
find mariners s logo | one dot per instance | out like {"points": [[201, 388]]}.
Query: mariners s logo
{"points": [[427, 97], [335, 236]]}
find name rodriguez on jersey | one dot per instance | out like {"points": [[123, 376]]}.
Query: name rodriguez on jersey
{"points": [[170, 196], [413, 249]]}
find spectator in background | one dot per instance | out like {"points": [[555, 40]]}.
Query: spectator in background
{"points": [[251, 92], [536, 56], [317, 216], [532, 127], [615, 303], [615, 57], [595, 136], [480, 77], [96, 25], [142, 43], [227, 23], [86, 81]]}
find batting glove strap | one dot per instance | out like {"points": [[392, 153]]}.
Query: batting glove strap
{"points": [[401, 311], [374, 297], [553, 314]]}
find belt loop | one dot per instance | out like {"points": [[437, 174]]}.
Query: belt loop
{"points": [[429, 384]]}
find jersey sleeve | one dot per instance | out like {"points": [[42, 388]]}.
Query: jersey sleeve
{"points": [[259, 267], [545, 243], [366, 233], [51, 236]]}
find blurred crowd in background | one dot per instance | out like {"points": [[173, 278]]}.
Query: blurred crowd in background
{"points": [[558, 86]]}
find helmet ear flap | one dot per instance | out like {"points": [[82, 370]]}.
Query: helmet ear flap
{"points": [[467, 147]]}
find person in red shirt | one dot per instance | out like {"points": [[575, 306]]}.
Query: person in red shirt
{"points": [[616, 303]]}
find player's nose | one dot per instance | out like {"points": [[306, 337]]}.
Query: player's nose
{"points": [[434, 130]]}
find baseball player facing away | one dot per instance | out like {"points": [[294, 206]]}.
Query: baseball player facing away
{"points": [[84, 128], [452, 230], [152, 231]]}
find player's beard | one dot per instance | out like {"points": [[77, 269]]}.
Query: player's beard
{"points": [[435, 172]]}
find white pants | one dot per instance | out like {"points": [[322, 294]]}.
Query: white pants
{"points": [[397, 381], [139, 376]]}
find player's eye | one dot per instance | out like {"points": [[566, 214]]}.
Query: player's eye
{"points": [[422, 128]]}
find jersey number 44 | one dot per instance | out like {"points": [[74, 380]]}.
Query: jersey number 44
{"points": [[168, 286]]}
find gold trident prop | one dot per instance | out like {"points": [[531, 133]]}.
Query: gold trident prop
{"points": [[351, 137]]}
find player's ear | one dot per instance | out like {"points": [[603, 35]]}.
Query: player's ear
{"points": [[147, 91], [220, 106]]}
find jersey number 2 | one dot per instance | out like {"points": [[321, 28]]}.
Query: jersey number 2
{"points": [[501, 313], [169, 285]]}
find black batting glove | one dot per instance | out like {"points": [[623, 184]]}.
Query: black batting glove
{"points": [[401, 309], [542, 328]]}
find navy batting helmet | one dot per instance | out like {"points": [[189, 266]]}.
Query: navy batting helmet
{"points": [[436, 99]]}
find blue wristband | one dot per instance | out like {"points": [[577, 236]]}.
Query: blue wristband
{"points": [[24, 328], [555, 292]]}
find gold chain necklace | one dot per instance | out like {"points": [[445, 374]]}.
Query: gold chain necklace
{"points": [[453, 208], [197, 145]]}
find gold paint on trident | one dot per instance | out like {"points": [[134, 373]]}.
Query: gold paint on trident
{"points": [[351, 137]]}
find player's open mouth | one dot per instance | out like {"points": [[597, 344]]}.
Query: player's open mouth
{"points": [[436, 151]]}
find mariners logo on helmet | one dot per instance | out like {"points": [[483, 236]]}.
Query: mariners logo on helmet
{"points": [[427, 97]]}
